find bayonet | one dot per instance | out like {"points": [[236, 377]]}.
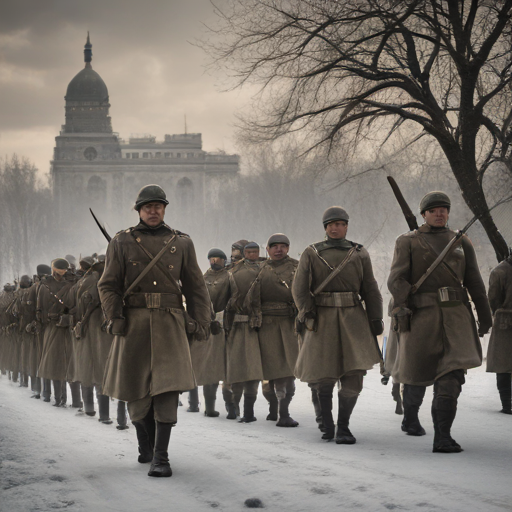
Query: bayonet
{"points": [[101, 226], [409, 216]]}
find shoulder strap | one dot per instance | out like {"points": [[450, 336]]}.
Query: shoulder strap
{"points": [[151, 264], [335, 272]]}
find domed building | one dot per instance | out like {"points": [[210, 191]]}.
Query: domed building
{"points": [[93, 167]]}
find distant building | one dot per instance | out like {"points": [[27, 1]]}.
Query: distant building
{"points": [[93, 167]]}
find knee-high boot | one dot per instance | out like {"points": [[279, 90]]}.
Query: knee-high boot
{"points": [[413, 398], [193, 400], [104, 409], [210, 396], [397, 397], [346, 405], [285, 420], [505, 389], [325, 399], [88, 397], [268, 391], [121, 415], [76, 396], [248, 417], [160, 466]]}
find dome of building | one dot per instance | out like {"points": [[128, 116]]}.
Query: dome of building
{"points": [[87, 85]]}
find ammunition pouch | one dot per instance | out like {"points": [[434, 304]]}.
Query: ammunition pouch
{"points": [[65, 321], [503, 319], [79, 330], [337, 299], [401, 319]]}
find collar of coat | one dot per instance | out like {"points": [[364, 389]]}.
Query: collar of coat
{"points": [[157, 230], [340, 243], [425, 228]]}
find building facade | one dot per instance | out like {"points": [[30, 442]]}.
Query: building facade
{"points": [[93, 167]]}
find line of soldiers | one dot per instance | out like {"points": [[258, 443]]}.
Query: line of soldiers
{"points": [[168, 328], [52, 333]]}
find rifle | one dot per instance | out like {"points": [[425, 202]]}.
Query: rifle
{"points": [[101, 226], [409, 216]]}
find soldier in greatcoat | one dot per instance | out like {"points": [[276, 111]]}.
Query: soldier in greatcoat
{"points": [[272, 314], [438, 339], [208, 358], [8, 328], [244, 369], [499, 353], [149, 362], [53, 311], [339, 340]]}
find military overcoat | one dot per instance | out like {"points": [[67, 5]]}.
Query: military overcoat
{"points": [[391, 345], [272, 313], [440, 339], [341, 340], [243, 356], [499, 353], [209, 357], [153, 355]]}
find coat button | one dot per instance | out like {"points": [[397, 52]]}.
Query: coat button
{"points": [[171, 266], [154, 282]]}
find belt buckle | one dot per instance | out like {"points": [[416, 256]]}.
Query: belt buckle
{"points": [[448, 297], [153, 300]]}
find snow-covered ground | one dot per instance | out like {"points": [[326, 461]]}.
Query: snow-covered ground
{"points": [[50, 458]]}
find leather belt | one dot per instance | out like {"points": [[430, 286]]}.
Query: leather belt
{"points": [[277, 309], [240, 319], [337, 299], [444, 297], [154, 300]]}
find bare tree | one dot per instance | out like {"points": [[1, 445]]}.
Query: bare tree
{"points": [[393, 71]]}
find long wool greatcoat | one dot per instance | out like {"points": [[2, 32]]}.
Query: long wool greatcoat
{"points": [[7, 338], [391, 345], [26, 307], [93, 347], [57, 348], [441, 339], [209, 357], [153, 356], [342, 341], [273, 311], [243, 357], [499, 353]]}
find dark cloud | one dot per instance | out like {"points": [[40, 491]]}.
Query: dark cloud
{"points": [[141, 50]]}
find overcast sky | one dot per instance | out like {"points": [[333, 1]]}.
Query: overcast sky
{"points": [[141, 50]]}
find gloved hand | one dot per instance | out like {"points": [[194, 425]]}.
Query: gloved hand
{"points": [[385, 379], [117, 326], [377, 326], [483, 329]]}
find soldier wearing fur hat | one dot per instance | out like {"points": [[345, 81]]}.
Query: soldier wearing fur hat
{"points": [[499, 353], [438, 339], [149, 270], [333, 279], [272, 315]]}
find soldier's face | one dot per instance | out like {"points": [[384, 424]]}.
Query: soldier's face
{"points": [[337, 229], [152, 213], [217, 261], [278, 251], [436, 217], [252, 254], [236, 254]]}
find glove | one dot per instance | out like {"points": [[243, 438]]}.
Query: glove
{"points": [[377, 326], [117, 326], [483, 329], [385, 379], [215, 328]]}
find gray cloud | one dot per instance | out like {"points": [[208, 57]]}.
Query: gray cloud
{"points": [[141, 50]]}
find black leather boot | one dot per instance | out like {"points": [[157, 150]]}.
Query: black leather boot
{"points": [[325, 400], [145, 446], [413, 398], [160, 466], [444, 443], [285, 420], [505, 389], [318, 410], [121, 415], [345, 407], [104, 409], [76, 395], [210, 396], [248, 417], [88, 398], [395, 393], [273, 405], [193, 400]]}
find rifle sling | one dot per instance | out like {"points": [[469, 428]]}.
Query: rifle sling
{"points": [[335, 272], [151, 264]]}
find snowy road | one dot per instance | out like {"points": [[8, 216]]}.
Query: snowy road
{"points": [[52, 459]]}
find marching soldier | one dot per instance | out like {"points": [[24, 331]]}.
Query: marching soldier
{"points": [[437, 332], [244, 368], [148, 270], [272, 314], [332, 280], [208, 358], [8, 328], [499, 353]]}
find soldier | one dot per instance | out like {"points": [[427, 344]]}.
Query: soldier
{"points": [[499, 353], [272, 314], [53, 307], [437, 332], [237, 252], [208, 358], [148, 269], [339, 344], [8, 326]]}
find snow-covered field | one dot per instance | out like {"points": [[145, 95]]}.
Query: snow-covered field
{"points": [[52, 459]]}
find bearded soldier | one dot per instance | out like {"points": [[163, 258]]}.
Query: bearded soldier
{"points": [[243, 368], [499, 353], [208, 358], [148, 270], [438, 339], [332, 280]]}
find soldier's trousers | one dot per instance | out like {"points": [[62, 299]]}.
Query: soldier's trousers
{"points": [[350, 385], [248, 388], [447, 390], [278, 388], [165, 407]]}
